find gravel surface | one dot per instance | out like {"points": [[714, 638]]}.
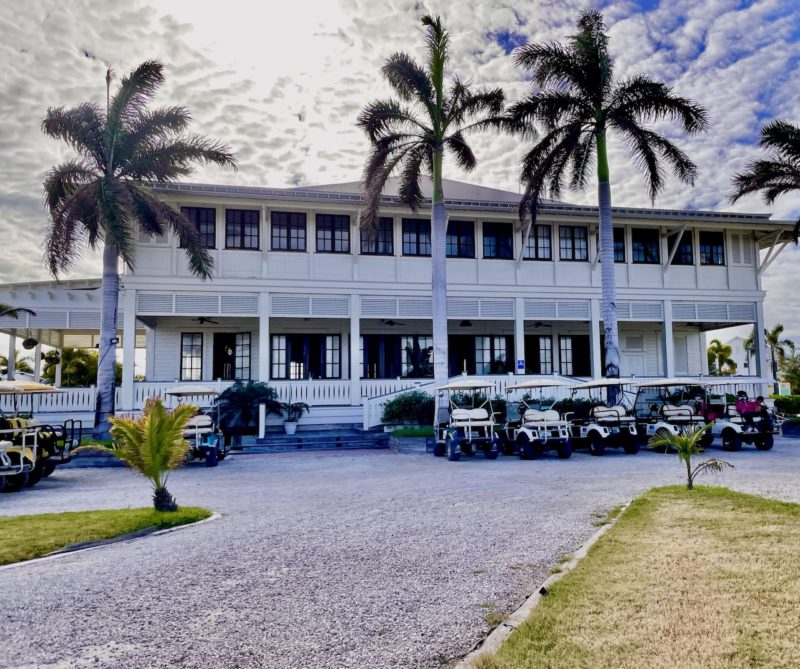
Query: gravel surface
{"points": [[324, 560]]}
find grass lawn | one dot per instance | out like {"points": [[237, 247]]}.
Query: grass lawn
{"points": [[708, 578], [27, 537], [413, 432]]}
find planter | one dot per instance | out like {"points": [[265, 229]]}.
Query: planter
{"points": [[290, 428], [790, 429], [29, 343]]}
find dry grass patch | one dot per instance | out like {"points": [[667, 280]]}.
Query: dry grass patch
{"points": [[708, 578]]}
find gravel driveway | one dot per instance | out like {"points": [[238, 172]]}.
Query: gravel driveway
{"points": [[359, 559]]}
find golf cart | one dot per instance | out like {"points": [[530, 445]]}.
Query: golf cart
{"points": [[534, 426], [205, 441], [670, 406], [603, 425], [467, 423]]}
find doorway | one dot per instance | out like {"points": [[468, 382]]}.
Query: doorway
{"points": [[224, 363]]}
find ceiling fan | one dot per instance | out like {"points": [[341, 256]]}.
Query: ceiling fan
{"points": [[390, 322], [203, 319]]}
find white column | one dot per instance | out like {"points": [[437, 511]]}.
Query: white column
{"points": [[263, 337], [556, 347], [128, 348], [12, 353], [668, 342], [763, 358], [150, 354], [37, 359], [355, 346], [594, 338], [519, 333]]}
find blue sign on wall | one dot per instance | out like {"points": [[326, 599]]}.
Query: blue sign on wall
{"points": [[520, 365]]}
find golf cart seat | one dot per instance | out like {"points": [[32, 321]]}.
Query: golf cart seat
{"points": [[471, 418], [679, 414], [198, 425], [541, 416], [612, 414]]}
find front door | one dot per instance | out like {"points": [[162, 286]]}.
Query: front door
{"points": [[225, 356]]}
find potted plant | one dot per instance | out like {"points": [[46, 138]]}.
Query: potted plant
{"points": [[294, 411], [29, 343], [237, 409], [51, 357]]}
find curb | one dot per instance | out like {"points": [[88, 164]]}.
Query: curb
{"points": [[102, 543], [500, 633]]}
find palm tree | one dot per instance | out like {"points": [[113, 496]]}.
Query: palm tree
{"points": [[21, 363], [780, 348], [777, 174], [78, 368], [102, 198], [687, 444], [720, 362], [411, 134], [577, 102]]}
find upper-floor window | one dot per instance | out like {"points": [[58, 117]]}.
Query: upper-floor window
{"points": [[539, 245], [242, 229], [333, 233], [288, 231], [684, 254], [712, 248], [645, 246], [416, 237], [460, 239], [498, 240], [379, 242], [191, 356], [205, 220], [573, 243], [619, 244]]}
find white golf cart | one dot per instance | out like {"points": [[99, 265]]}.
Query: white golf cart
{"points": [[670, 406], [467, 423], [604, 425], [533, 426], [205, 441]]}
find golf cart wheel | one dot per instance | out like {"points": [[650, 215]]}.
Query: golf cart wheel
{"points": [[631, 445], [451, 445], [707, 439], [439, 450], [48, 467], [212, 457], [35, 475], [765, 442], [506, 445], [16, 482], [526, 449], [564, 449], [731, 440], [596, 444], [491, 454]]}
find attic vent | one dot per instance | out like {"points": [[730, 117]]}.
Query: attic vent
{"points": [[84, 320], [646, 311], [624, 311], [330, 306], [462, 308], [239, 304], [421, 308], [578, 310], [196, 304], [497, 308], [540, 309], [48, 319], [379, 307], [154, 303], [742, 312], [709, 311], [291, 305], [684, 311]]}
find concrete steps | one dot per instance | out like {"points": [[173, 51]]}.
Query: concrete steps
{"points": [[333, 439]]}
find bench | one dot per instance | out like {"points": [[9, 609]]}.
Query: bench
{"points": [[471, 418], [679, 414], [612, 414], [198, 426], [537, 416]]}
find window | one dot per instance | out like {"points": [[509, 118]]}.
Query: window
{"points": [[278, 357], [241, 229], [741, 249], [416, 237], [460, 239], [712, 248], [619, 244], [573, 243], [684, 254], [574, 355], [243, 356], [539, 245], [288, 231], [306, 356], [545, 355], [491, 355], [417, 356], [205, 220], [191, 356], [645, 246], [565, 355], [333, 353], [379, 242], [498, 240], [333, 234]]}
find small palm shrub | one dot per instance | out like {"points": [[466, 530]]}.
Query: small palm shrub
{"points": [[152, 444], [414, 407], [238, 407], [687, 445]]}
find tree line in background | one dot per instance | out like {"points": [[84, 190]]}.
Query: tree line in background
{"points": [[576, 105]]}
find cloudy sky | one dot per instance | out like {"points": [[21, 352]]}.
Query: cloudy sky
{"points": [[282, 83]]}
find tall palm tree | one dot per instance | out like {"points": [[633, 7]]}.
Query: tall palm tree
{"points": [[720, 362], [780, 348], [102, 197], [777, 174], [411, 135], [576, 103]]}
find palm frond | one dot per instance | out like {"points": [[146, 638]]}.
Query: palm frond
{"points": [[408, 79], [409, 191], [116, 209], [782, 136], [172, 159], [463, 153], [437, 41], [152, 127], [64, 180], [551, 64], [75, 220], [382, 117], [771, 178], [80, 127], [552, 108], [14, 312], [383, 160], [482, 106]]}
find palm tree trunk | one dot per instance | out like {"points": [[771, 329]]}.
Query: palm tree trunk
{"points": [[608, 274], [439, 275], [106, 365]]}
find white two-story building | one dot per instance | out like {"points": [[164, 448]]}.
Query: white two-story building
{"points": [[303, 299]]}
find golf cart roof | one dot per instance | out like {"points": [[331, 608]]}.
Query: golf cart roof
{"points": [[27, 387], [467, 384], [190, 390], [732, 381], [541, 382], [604, 383], [673, 381]]}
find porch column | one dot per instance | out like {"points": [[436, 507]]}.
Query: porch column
{"points": [[150, 353], [37, 359], [763, 358], [128, 348], [355, 350], [263, 337], [668, 342], [594, 338], [60, 349], [12, 353], [519, 334]]}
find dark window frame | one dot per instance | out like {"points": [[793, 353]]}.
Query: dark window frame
{"points": [[205, 235], [243, 362], [640, 255], [541, 252], [191, 356], [243, 229], [619, 246], [712, 254], [337, 227], [461, 238], [576, 245], [415, 231], [288, 225], [685, 242], [379, 242], [493, 249]]}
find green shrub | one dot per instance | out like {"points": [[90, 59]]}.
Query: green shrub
{"points": [[414, 407], [789, 404]]}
